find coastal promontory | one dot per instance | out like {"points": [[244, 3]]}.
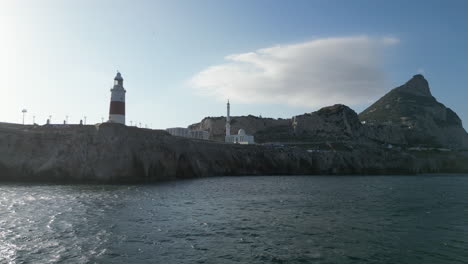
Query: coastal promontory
{"points": [[405, 132]]}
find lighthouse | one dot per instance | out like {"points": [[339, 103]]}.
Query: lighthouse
{"points": [[117, 104]]}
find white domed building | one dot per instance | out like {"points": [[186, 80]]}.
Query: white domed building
{"points": [[241, 137]]}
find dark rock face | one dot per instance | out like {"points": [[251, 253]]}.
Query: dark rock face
{"points": [[418, 85], [422, 119], [251, 124], [337, 123], [114, 153], [328, 123]]}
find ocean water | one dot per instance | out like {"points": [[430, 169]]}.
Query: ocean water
{"points": [[347, 219]]}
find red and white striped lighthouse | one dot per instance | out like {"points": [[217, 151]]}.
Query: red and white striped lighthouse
{"points": [[117, 104]]}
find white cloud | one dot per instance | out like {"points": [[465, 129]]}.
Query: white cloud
{"points": [[315, 73], [390, 40]]}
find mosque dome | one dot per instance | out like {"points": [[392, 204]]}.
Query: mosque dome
{"points": [[241, 132]]}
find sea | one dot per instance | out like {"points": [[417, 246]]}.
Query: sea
{"points": [[271, 219]]}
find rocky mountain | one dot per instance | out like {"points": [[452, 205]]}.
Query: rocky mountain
{"points": [[337, 122], [407, 116], [332, 124], [422, 119]]}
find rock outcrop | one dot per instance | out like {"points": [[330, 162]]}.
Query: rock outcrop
{"points": [[422, 119], [406, 116], [115, 153], [251, 124], [337, 123]]}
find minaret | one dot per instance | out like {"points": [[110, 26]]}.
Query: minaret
{"points": [[117, 105], [294, 124], [228, 119]]}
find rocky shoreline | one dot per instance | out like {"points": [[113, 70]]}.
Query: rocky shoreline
{"points": [[112, 153]]}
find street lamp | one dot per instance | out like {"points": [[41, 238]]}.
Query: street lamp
{"points": [[24, 111]]}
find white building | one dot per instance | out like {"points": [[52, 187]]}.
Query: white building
{"points": [[188, 133], [241, 137], [179, 131]]}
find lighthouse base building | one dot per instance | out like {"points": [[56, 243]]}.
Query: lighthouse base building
{"points": [[117, 104]]}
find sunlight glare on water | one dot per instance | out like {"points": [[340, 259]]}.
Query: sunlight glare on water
{"points": [[380, 219]]}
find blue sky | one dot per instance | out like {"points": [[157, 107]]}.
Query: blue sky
{"points": [[182, 59]]}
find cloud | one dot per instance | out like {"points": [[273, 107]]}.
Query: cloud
{"points": [[390, 40], [316, 73]]}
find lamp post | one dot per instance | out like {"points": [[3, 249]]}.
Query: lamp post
{"points": [[24, 111], [85, 120]]}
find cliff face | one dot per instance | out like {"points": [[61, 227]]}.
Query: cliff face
{"points": [[337, 123], [115, 153], [340, 123], [216, 126], [423, 120]]}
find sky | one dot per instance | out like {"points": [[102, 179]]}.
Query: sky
{"points": [[182, 59]]}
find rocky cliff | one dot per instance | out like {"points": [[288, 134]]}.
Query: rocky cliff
{"points": [[422, 119], [407, 116], [115, 153], [333, 124], [252, 124]]}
